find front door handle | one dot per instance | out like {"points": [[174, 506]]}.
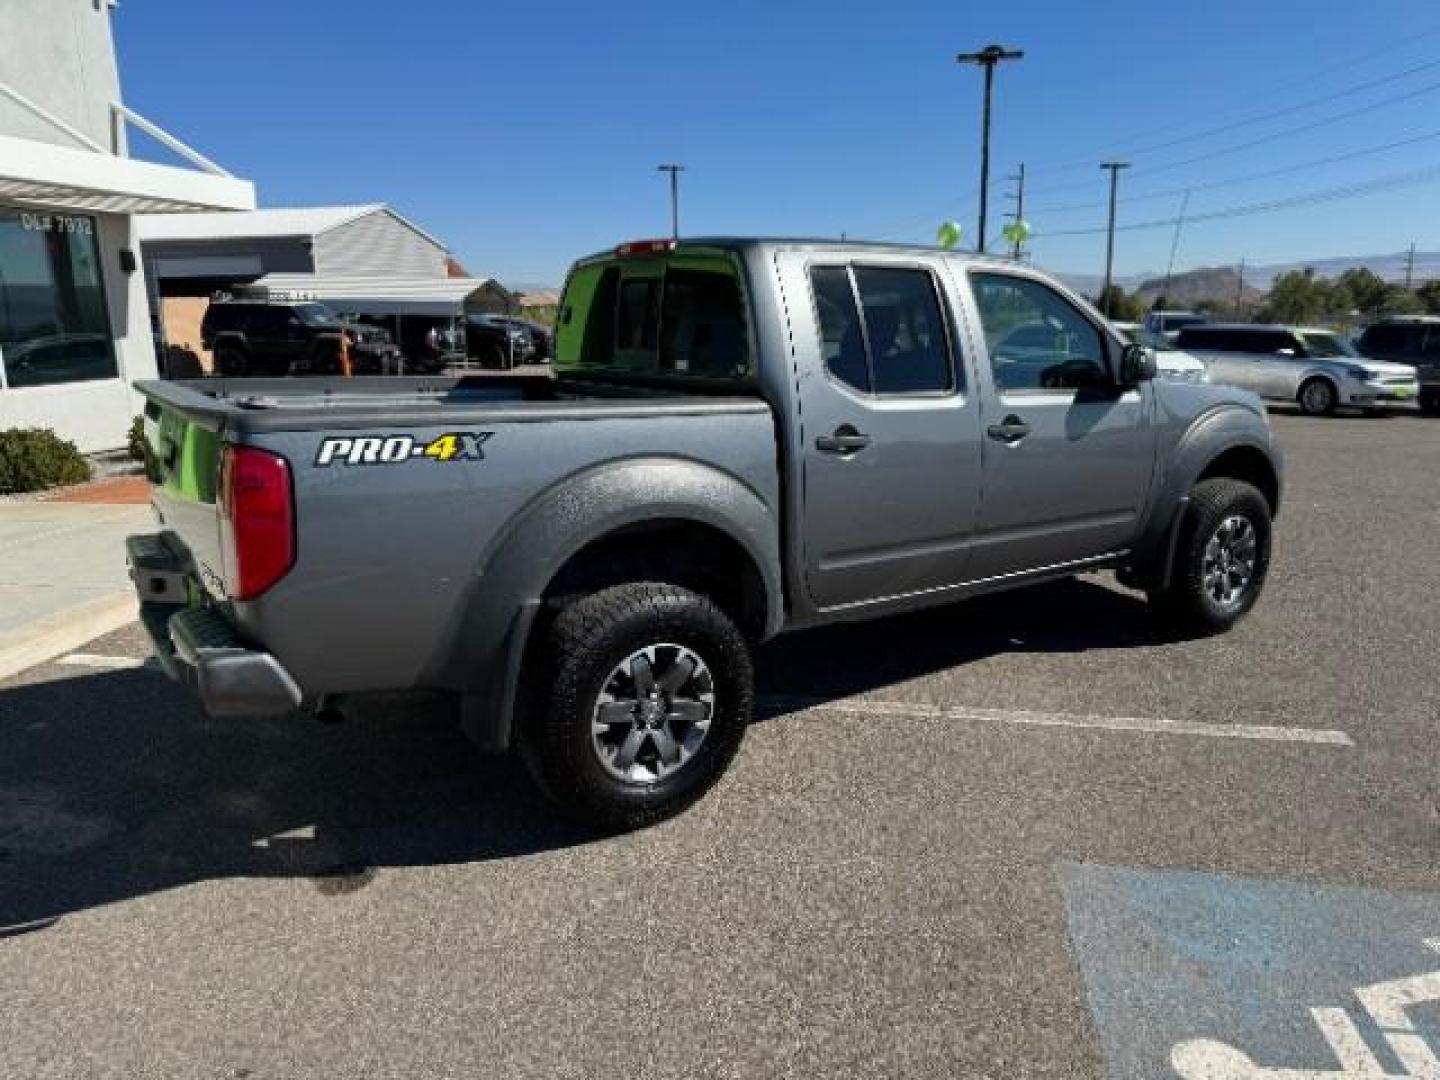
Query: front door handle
{"points": [[845, 440], [1011, 429]]}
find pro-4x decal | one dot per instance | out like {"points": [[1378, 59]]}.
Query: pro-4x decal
{"points": [[394, 449]]}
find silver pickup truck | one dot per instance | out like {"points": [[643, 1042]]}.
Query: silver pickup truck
{"points": [[744, 437]]}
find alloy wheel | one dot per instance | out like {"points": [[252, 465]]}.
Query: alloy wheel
{"points": [[653, 713], [1228, 567]]}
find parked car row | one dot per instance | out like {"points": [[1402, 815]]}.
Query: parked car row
{"points": [[266, 338], [273, 339], [1395, 362]]}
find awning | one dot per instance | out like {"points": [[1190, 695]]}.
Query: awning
{"points": [[445, 297], [34, 173]]}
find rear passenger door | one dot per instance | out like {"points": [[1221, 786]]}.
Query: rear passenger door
{"points": [[888, 427], [1067, 454]]}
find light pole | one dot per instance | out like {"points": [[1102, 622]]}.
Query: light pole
{"points": [[1114, 167], [987, 58], [674, 171]]}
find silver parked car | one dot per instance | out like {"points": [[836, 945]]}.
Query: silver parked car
{"points": [[1316, 369], [1170, 362], [1167, 324]]}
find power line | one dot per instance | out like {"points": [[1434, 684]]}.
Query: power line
{"points": [[931, 218], [1170, 193], [1346, 191], [1263, 140], [1287, 110]]}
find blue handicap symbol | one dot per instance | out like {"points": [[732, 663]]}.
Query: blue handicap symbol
{"points": [[1214, 977]]}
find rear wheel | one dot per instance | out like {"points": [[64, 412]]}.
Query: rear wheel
{"points": [[1221, 559], [1317, 397], [640, 705], [1430, 402]]}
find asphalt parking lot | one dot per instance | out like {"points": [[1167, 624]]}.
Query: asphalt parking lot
{"points": [[1028, 836]]}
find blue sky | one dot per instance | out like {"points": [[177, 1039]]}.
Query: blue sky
{"points": [[525, 135]]}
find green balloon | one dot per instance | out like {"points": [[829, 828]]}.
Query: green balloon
{"points": [[948, 235], [1017, 232]]}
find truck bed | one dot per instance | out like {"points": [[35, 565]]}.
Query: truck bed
{"points": [[246, 406], [394, 556]]}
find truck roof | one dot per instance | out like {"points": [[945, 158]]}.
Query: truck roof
{"points": [[738, 243]]}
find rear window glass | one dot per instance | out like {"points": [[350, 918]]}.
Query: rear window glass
{"points": [[896, 342], [650, 318], [1386, 338]]}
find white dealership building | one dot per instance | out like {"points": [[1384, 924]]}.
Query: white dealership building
{"points": [[75, 318]]}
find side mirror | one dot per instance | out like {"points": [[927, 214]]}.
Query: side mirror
{"points": [[1137, 365]]}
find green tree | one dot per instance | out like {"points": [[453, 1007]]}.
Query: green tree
{"points": [[1366, 288], [1401, 301], [1429, 296], [1296, 296], [1123, 306]]}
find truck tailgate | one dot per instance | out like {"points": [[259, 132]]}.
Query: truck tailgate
{"points": [[185, 461]]}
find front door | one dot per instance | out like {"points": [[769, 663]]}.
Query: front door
{"points": [[888, 427], [1067, 455]]}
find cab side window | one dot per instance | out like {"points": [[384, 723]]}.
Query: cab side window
{"points": [[894, 341], [1037, 339]]}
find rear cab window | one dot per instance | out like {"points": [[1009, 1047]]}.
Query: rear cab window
{"points": [[675, 316], [883, 330]]}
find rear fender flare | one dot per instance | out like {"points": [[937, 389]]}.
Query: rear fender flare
{"points": [[487, 646]]}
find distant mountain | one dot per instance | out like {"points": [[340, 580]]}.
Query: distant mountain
{"points": [[1258, 279], [1090, 284], [1187, 289]]}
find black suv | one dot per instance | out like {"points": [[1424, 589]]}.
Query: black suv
{"points": [[290, 339], [496, 341], [1414, 341]]}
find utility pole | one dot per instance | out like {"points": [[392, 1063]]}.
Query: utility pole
{"points": [[1175, 244], [1114, 168], [1240, 289], [1019, 214], [674, 171], [1410, 267], [986, 58]]}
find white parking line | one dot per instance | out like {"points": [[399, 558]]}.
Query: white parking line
{"points": [[106, 663], [867, 707]]}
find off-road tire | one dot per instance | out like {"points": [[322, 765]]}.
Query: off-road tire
{"points": [[1184, 601], [584, 643]]}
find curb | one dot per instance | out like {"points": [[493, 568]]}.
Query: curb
{"points": [[48, 637]]}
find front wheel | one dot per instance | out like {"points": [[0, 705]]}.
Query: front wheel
{"points": [[641, 704], [1317, 397], [1221, 559]]}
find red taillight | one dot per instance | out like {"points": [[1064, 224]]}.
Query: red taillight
{"points": [[257, 520], [645, 247]]}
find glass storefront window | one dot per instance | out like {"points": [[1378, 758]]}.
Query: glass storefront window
{"points": [[53, 322]]}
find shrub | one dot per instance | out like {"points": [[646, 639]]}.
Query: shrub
{"points": [[32, 459], [138, 446]]}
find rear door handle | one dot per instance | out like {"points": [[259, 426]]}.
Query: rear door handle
{"points": [[1011, 429], [845, 440]]}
